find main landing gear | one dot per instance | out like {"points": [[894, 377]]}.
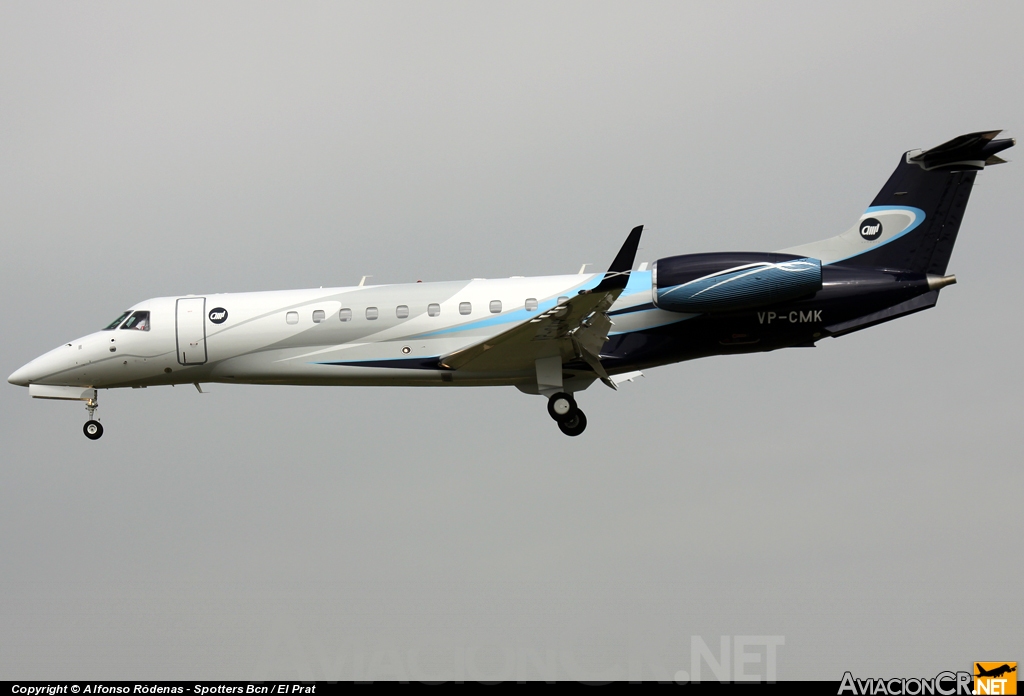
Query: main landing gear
{"points": [[92, 428], [563, 409]]}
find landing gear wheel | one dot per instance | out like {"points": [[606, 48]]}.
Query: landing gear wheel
{"points": [[575, 424], [561, 406], [93, 430]]}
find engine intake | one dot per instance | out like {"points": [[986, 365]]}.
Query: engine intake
{"points": [[726, 282]]}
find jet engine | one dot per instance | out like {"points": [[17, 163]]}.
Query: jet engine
{"points": [[726, 282]]}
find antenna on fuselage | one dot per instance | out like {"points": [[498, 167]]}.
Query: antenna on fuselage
{"points": [[362, 281]]}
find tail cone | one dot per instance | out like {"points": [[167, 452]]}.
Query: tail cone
{"points": [[937, 282]]}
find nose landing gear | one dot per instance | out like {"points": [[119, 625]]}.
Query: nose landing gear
{"points": [[563, 409], [92, 428]]}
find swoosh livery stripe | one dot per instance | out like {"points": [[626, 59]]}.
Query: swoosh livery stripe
{"points": [[919, 217]]}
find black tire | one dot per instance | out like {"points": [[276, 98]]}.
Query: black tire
{"points": [[93, 430], [558, 402], [574, 425]]}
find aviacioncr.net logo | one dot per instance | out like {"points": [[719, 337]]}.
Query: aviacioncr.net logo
{"points": [[995, 678], [943, 684]]}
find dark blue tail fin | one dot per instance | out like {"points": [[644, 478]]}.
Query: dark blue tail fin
{"points": [[935, 184], [913, 221]]}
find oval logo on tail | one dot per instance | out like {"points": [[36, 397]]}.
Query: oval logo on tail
{"points": [[870, 229], [218, 315]]}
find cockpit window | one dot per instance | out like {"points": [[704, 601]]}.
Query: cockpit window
{"points": [[138, 321], [117, 322]]}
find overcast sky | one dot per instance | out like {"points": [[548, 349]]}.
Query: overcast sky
{"points": [[860, 500]]}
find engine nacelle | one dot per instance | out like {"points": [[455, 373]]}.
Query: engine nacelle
{"points": [[725, 282]]}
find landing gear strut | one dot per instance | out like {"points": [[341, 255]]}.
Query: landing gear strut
{"points": [[563, 409], [92, 428]]}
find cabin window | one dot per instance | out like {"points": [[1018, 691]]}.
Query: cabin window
{"points": [[531, 304], [318, 316], [345, 314], [465, 308], [495, 306], [292, 317], [372, 313], [402, 311], [433, 309], [138, 321], [117, 322], [563, 299]]}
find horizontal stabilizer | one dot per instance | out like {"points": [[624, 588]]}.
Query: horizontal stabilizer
{"points": [[971, 151]]}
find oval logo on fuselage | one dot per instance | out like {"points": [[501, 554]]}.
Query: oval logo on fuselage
{"points": [[218, 315], [870, 229]]}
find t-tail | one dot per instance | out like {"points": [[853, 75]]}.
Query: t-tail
{"points": [[913, 222]]}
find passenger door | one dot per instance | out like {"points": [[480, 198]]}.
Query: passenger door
{"points": [[190, 325]]}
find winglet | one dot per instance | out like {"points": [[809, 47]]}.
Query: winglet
{"points": [[618, 273]]}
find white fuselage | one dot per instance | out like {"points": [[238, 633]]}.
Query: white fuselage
{"points": [[373, 335], [279, 337]]}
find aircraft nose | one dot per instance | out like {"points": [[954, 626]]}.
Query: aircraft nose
{"points": [[47, 368], [39, 368], [21, 376]]}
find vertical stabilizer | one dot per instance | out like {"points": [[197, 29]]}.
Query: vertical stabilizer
{"points": [[913, 222]]}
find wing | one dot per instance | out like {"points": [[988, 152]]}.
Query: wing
{"points": [[575, 329]]}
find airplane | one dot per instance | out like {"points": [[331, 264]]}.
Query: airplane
{"points": [[552, 336], [995, 672]]}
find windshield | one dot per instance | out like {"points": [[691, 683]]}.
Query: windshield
{"points": [[117, 322], [139, 322]]}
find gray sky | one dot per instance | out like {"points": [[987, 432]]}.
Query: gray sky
{"points": [[860, 499]]}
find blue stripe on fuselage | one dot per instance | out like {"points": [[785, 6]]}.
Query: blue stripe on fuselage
{"points": [[639, 281]]}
